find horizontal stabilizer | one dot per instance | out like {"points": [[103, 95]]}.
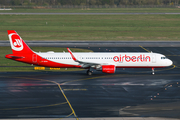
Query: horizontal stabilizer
{"points": [[14, 57]]}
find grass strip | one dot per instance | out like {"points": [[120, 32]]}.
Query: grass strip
{"points": [[92, 27]]}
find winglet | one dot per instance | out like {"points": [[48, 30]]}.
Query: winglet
{"points": [[71, 54]]}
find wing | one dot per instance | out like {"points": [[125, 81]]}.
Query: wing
{"points": [[84, 64]]}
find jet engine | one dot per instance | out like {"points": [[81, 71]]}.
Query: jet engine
{"points": [[107, 68]]}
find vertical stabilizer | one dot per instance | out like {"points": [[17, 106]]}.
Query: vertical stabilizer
{"points": [[17, 44]]}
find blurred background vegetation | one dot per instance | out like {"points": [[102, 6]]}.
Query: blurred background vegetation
{"points": [[88, 2]]}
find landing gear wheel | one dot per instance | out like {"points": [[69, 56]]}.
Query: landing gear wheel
{"points": [[153, 71], [89, 72]]}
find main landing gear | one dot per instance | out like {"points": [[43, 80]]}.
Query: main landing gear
{"points": [[153, 71], [89, 72]]}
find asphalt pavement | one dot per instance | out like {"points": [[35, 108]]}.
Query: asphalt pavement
{"points": [[132, 93]]}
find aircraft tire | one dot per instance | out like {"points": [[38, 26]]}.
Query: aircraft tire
{"points": [[89, 72]]}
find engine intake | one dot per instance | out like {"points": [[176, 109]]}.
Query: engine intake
{"points": [[108, 69]]}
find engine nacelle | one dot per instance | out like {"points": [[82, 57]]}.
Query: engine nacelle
{"points": [[108, 69]]}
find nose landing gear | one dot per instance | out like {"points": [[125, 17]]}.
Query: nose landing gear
{"points": [[153, 71]]}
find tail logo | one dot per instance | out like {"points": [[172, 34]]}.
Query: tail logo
{"points": [[16, 42]]}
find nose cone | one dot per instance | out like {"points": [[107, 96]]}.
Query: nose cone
{"points": [[169, 62]]}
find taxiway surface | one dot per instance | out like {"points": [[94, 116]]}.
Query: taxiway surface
{"points": [[127, 93]]}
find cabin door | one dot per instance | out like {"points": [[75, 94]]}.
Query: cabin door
{"points": [[34, 58], [153, 58]]}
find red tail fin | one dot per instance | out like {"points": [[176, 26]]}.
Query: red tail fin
{"points": [[17, 44]]}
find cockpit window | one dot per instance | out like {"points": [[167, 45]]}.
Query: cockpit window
{"points": [[163, 57]]}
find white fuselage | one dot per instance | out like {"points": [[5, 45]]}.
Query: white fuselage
{"points": [[119, 59]]}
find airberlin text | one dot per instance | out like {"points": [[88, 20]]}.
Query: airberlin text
{"points": [[140, 58]]}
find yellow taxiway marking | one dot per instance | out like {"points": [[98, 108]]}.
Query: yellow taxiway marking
{"points": [[65, 116], [35, 106], [167, 68], [174, 66], [68, 101], [172, 55], [159, 70], [150, 52], [60, 90], [70, 114], [144, 49]]}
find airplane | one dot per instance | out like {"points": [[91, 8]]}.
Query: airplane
{"points": [[107, 62]]}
